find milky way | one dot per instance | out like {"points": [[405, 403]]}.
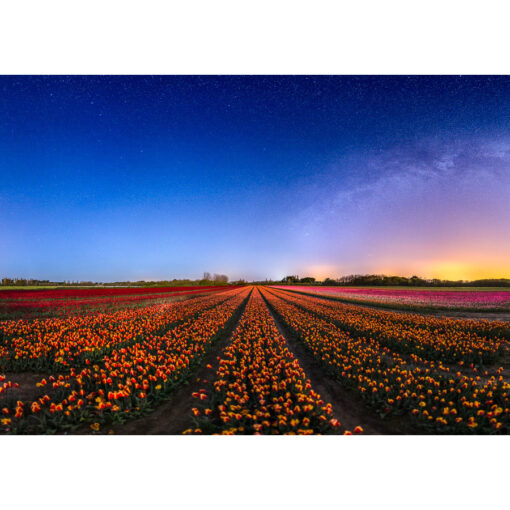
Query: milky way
{"points": [[153, 177]]}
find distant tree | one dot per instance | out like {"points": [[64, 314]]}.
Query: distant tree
{"points": [[416, 280], [307, 279], [220, 278]]}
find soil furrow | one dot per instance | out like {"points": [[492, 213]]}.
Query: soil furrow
{"points": [[27, 380], [349, 408], [173, 416]]}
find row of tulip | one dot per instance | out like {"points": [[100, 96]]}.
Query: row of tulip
{"points": [[64, 307], [448, 340], [53, 344], [481, 326], [259, 387], [125, 382], [73, 293], [489, 300], [440, 401]]}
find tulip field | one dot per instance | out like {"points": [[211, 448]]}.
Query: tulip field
{"points": [[27, 304], [417, 299], [437, 375], [259, 385], [254, 360]]}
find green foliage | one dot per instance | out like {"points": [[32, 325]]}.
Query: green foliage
{"points": [[403, 281], [217, 279]]}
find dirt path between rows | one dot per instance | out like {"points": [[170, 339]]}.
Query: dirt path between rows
{"points": [[27, 389], [173, 416], [348, 408], [492, 369]]}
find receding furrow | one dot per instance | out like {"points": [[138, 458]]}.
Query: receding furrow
{"points": [[444, 340], [127, 381], [171, 416], [346, 404], [259, 386], [433, 401]]}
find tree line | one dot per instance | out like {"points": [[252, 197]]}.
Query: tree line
{"points": [[222, 279], [384, 280], [207, 279]]}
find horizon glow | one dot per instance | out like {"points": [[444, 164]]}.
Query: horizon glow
{"points": [[155, 178]]}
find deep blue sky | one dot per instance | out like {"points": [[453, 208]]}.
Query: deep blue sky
{"points": [[109, 178]]}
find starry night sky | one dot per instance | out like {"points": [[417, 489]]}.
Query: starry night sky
{"points": [[110, 178]]}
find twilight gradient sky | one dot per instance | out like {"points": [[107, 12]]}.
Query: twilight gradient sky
{"points": [[113, 178]]}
